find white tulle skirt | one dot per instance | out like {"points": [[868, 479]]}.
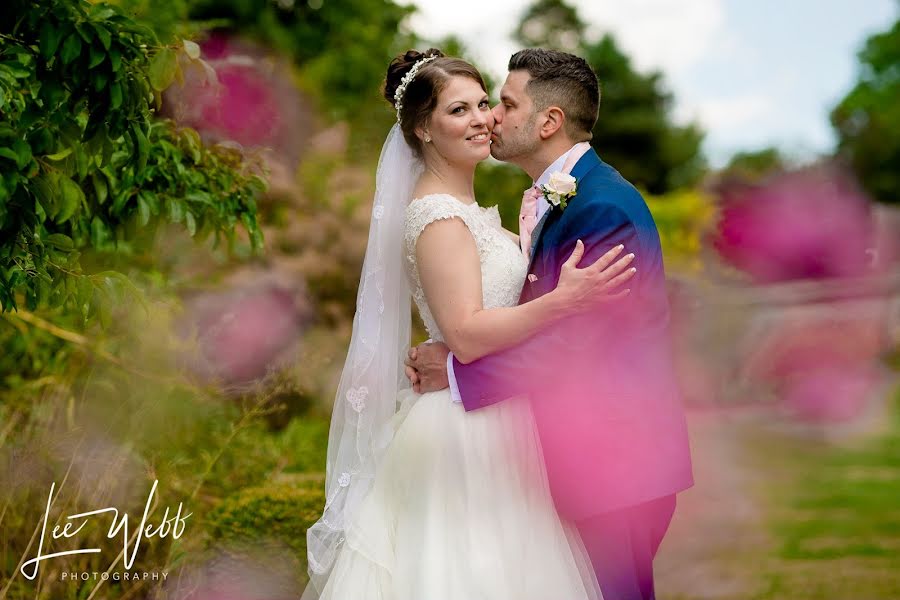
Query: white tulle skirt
{"points": [[460, 510]]}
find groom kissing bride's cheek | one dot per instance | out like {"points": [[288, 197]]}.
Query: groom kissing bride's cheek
{"points": [[538, 453]]}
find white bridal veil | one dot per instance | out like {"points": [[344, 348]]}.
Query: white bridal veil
{"points": [[373, 373]]}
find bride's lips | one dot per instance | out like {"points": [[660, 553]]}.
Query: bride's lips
{"points": [[480, 138]]}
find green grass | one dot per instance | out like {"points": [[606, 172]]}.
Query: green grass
{"points": [[837, 522]]}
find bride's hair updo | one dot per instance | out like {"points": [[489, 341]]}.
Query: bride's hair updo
{"points": [[421, 94]]}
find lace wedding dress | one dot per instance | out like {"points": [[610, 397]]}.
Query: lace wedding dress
{"points": [[459, 508]]}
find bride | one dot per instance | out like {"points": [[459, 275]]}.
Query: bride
{"points": [[423, 500]]}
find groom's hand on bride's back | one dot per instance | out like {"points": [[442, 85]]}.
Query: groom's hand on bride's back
{"points": [[426, 367]]}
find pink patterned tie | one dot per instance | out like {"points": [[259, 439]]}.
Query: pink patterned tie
{"points": [[528, 214], [528, 218]]}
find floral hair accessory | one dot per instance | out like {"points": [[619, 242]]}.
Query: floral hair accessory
{"points": [[407, 79]]}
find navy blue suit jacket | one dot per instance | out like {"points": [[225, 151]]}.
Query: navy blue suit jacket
{"points": [[602, 384]]}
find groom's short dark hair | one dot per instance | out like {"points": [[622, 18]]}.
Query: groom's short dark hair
{"points": [[563, 80]]}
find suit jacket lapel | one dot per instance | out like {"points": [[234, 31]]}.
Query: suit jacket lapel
{"points": [[584, 165], [536, 234]]}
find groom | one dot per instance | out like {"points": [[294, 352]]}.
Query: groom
{"points": [[602, 385]]}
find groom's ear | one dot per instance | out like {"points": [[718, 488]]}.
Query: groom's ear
{"points": [[554, 119]]}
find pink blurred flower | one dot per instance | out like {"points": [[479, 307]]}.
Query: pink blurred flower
{"points": [[239, 92], [244, 332], [823, 368], [263, 570], [809, 224]]}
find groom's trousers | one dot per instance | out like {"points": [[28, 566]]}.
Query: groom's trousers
{"points": [[621, 545]]}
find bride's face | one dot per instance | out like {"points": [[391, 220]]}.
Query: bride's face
{"points": [[460, 125]]}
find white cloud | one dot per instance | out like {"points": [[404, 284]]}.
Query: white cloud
{"points": [[484, 26], [666, 35], [736, 113]]}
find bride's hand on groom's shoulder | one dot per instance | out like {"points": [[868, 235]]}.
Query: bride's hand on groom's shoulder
{"points": [[583, 288], [426, 367]]}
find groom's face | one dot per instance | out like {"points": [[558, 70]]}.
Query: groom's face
{"points": [[515, 132]]}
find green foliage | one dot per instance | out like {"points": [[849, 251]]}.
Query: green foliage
{"points": [[502, 184], [635, 132], [167, 18], [754, 165], [280, 511], [683, 218], [867, 120], [361, 36], [85, 168], [551, 24]]}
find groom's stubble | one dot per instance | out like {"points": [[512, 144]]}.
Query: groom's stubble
{"points": [[517, 143]]}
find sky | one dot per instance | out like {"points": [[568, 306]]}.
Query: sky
{"points": [[752, 73]]}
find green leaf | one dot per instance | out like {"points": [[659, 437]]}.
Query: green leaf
{"points": [[163, 68], [10, 154], [115, 95], [97, 56], [176, 210], [23, 153], [141, 147], [103, 34], [143, 210], [100, 188], [70, 198], [82, 162], [256, 239], [193, 143], [100, 12], [61, 154], [115, 59], [98, 231], [45, 191], [49, 39], [71, 48], [58, 240], [100, 79], [83, 32], [200, 197], [107, 151], [190, 222], [17, 70]]}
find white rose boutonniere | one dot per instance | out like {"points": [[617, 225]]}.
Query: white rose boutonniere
{"points": [[560, 189]]}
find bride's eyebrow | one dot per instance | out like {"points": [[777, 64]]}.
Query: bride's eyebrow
{"points": [[466, 103]]}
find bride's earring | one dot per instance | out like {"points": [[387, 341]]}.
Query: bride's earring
{"points": [[427, 138]]}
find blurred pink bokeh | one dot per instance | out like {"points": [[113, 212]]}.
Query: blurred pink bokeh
{"points": [[240, 92], [810, 224]]}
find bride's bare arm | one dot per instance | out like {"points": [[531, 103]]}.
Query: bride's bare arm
{"points": [[450, 272]]}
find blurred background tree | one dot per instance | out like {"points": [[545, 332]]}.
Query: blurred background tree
{"points": [[867, 120], [635, 132], [753, 165]]}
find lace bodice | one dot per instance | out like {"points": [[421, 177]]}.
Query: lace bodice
{"points": [[503, 266]]}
